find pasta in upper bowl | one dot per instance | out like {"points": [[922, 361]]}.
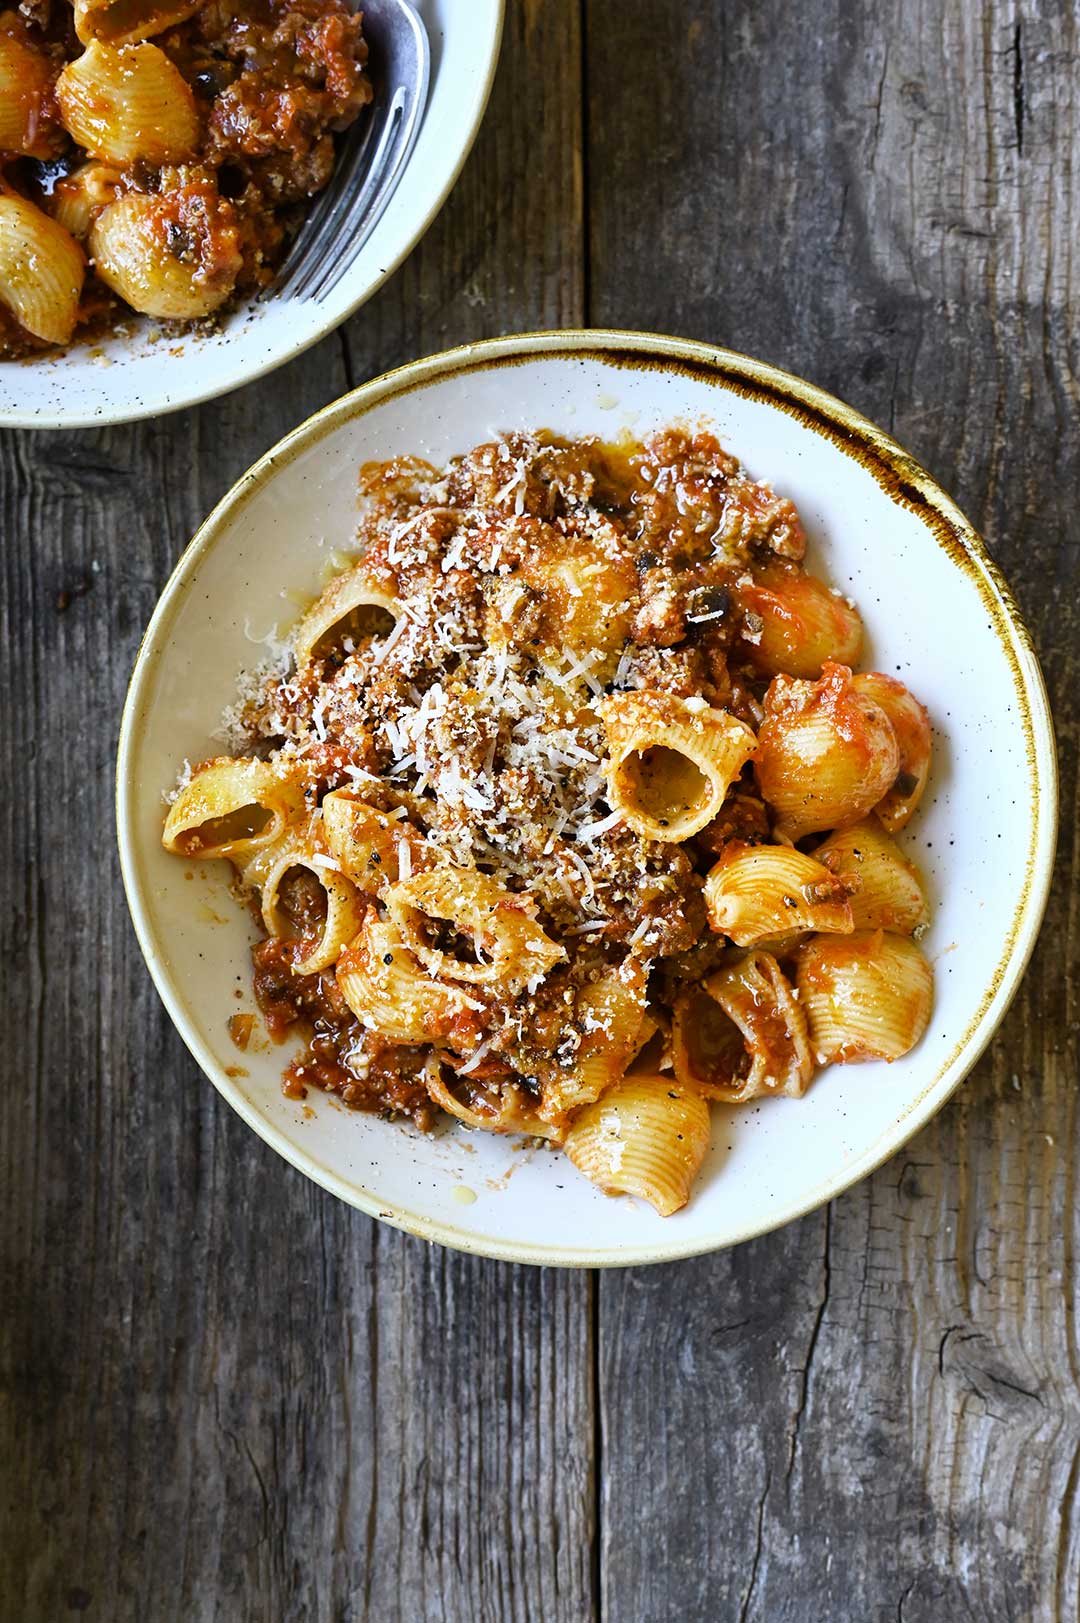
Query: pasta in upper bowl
{"points": [[156, 157], [566, 813]]}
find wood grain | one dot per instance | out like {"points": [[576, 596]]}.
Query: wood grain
{"points": [[876, 1413], [224, 1395]]}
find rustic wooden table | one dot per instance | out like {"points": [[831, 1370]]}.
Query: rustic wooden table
{"points": [[226, 1396]]}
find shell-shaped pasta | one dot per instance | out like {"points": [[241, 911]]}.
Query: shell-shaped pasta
{"points": [[500, 1107], [866, 996], [911, 724], [585, 593], [127, 102], [333, 912], [611, 1013], [26, 80], [353, 607], [826, 753], [375, 849], [798, 623], [498, 941], [646, 1136], [889, 895], [231, 808], [742, 1034], [125, 22], [391, 994], [758, 893], [41, 270], [671, 761], [175, 254], [79, 198]]}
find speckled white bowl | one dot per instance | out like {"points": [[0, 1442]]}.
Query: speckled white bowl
{"points": [[146, 374], [938, 615]]}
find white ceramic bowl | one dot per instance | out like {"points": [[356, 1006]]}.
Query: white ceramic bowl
{"points": [[937, 614], [146, 374]]}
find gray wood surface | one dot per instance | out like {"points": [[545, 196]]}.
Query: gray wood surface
{"points": [[223, 1395]]}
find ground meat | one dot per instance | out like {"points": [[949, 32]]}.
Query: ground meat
{"points": [[368, 1073], [683, 671], [743, 816], [661, 619], [697, 502]]}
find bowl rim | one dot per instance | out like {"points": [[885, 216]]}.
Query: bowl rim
{"points": [[111, 417], [904, 481]]}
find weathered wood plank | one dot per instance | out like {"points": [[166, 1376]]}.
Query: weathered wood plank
{"points": [[223, 1395], [875, 1414]]}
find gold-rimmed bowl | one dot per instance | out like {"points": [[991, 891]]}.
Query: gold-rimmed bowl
{"points": [[938, 616]]}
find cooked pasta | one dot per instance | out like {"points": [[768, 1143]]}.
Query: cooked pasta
{"points": [[392, 994], [305, 900], [866, 996], [80, 197], [646, 1136], [768, 892], [911, 724], [128, 103], [793, 623], [179, 140], [41, 270], [490, 932], [374, 849], [671, 761], [505, 1107], [585, 591], [176, 255], [28, 123], [826, 753], [612, 1016], [126, 22], [741, 1033], [887, 893], [233, 808], [353, 608], [543, 833]]}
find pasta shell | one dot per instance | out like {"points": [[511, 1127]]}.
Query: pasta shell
{"points": [[390, 993], [231, 808], [127, 102], [79, 198], [584, 595], [333, 925], [353, 607], [671, 761], [503, 1107], [174, 255], [373, 848], [742, 1034], [760, 893], [889, 895], [798, 623], [610, 1011], [41, 270], [27, 124], [911, 724], [826, 753], [646, 1136], [124, 22], [500, 943], [866, 996]]}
